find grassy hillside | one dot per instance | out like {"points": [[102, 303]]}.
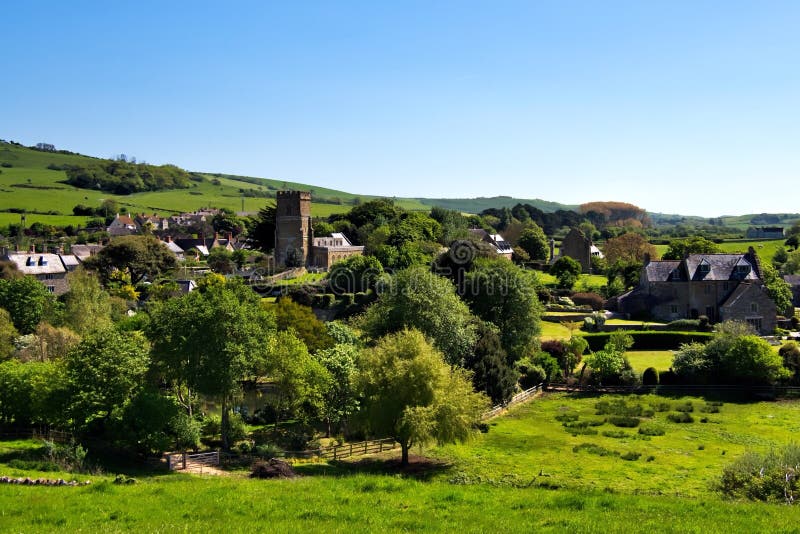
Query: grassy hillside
{"points": [[765, 248], [477, 205]]}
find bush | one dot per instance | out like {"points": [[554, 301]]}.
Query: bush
{"points": [[591, 448], [685, 325], [617, 434], [211, 427], [685, 407], [680, 417], [624, 421], [593, 300], [661, 406], [530, 375], [651, 429], [236, 428], [763, 477], [650, 377], [620, 407], [567, 417], [631, 456], [710, 407]]}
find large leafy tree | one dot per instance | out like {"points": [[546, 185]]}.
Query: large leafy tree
{"points": [[104, 371], [26, 300], [301, 319], [777, 289], [417, 298], [505, 295], [140, 255], [339, 397], [261, 229], [492, 374], [680, 248], [7, 335], [355, 274], [534, 242], [411, 394], [87, 306], [209, 340], [567, 271], [629, 247]]}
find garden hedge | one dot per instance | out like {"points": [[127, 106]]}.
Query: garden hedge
{"points": [[647, 340]]}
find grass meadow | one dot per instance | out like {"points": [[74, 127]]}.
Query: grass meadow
{"points": [[527, 474]]}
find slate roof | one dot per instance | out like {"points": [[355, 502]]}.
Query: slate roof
{"points": [[740, 291], [84, 251], [792, 279], [719, 267], [37, 263]]}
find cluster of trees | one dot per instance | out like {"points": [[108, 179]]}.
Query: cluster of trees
{"points": [[123, 178]]}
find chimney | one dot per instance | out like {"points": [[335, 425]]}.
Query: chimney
{"points": [[646, 259], [169, 239], [552, 249], [33, 248], [230, 237]]}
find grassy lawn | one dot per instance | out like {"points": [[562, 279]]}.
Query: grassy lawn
{"points": [[642, 359], [524, 475], [554, 331], [530, 443], [765, 248], [586, 282]]}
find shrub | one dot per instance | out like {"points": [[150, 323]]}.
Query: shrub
{"points": [[763, 477], [593, 300], [649, 458], [618, 434], [530, 375], [685, 325], [631, 456], [680, 417], [624, 421], [236, 428], [591, 448], [619, 407], [661, 406], [567, 417], [710, 408], [212, 426], [651, 429], [650, 377], [685, 407]]}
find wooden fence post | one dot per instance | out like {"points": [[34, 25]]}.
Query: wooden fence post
{"points": [[184, 459]]}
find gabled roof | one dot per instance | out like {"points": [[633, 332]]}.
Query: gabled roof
{"points": [[739, 292], [698, 267], [37, 263]]}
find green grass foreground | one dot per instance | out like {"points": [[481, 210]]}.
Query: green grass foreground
{"points": [[524, 475], [365, 503]]}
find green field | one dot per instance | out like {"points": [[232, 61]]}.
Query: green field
{"points": [[522, 476], [764, 248], [642, 359], [31, 186]]}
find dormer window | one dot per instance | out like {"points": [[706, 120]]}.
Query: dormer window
{"points": [[742, 270], [42, 261], [676, 275], [704, 267], [30, 262]]}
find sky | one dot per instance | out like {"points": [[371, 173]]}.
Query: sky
{"points": [[689, 107]]}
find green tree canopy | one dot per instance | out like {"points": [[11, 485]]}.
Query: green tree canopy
{"points": [[290, 315], [417, 298], [411, 394], [680, 248], [567, 271], [26, 300], [503, 294], [140, 256], [534, 242], [86, 306], [355, 274]]}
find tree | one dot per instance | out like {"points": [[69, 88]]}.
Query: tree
{"points": [[140, 256], [26, 300], [301, 319], [629, 247], [567, 271], [104, 371], [777, 289], [86, 306], [413, 396], [355, 274], [209, 340], [9, 270], [534, 242], [751, 359], [492, 374], [48, 343], [575, 347], [417, 298], [505, 295], [220, 260], [680, 248], [7, 335], [610, 364], [339, 399]]}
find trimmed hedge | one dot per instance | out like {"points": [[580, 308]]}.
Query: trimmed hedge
{"points": [[651, 340]]}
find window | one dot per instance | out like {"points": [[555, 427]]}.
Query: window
{"points": [[754, 307], [673, 309], [755, 323], [705, 267], [51, 289]]}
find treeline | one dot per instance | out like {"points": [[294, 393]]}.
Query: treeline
{"points": [[549, 222], [124, 178]]}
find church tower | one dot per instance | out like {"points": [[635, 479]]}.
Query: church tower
{"points": [[294, 236]]}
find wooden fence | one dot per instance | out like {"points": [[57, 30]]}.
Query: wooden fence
{"points": [[357, 449], [180, 460], [516, 399]]}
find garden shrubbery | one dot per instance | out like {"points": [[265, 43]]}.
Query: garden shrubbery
{"points": [[772, 476]]}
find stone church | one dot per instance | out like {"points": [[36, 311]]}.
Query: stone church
{"points": [[295, 244]]}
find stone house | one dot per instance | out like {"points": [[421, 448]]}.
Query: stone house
{"points": [[578, 247], [50, 269], [122, 225], [764, 232], [328, 250], [720, 286]]}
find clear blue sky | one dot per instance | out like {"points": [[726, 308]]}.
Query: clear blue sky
{"points": [[686, 107]]}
